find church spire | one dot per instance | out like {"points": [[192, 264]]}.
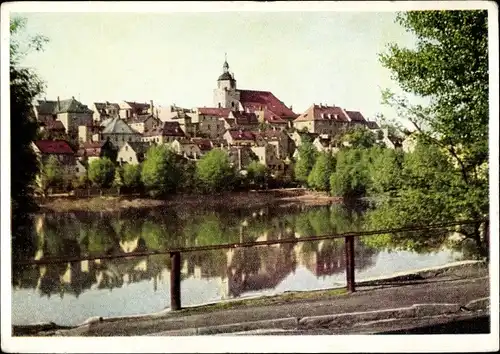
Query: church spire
{"points": [[225, 67]]}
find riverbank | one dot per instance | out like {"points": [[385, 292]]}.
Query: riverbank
{"points": [[228, 200]]}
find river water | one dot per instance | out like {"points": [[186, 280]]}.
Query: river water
{"points": [[70, 293]]}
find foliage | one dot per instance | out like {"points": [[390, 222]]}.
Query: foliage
{"points": [[50, 174], [350, 178], [160, 171], [319, 178], [385, 172], [101, 172], [359, 137], [214, 171], [131, 175], [25, 86], [118, 178], [305, 162], [444, 179], [257, 173]]}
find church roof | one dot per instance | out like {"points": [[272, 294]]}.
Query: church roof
{"points": [[260, 100]]}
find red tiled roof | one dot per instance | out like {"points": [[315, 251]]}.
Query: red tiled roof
{"points": [[268, 134], [241, 135], [272, 118], [203, 144], [221, 112], [356, 116], [316, 112], [372, 125], [54, 147], [168, 129], [259, 100]]}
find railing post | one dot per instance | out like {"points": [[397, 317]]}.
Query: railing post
{"points": [[349, 263], [175, 281]]}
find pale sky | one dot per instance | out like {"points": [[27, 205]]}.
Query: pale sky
{"points": [[302, 57]]}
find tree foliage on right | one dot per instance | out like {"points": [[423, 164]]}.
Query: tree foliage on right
{"points": [[447, 176]]}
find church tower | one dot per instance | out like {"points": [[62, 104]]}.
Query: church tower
{"points": [[226, 95]]}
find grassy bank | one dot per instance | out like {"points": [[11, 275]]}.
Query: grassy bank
{"points": [[228, 200]]}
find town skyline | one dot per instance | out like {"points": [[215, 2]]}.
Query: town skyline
{"points": [[255, 55]]}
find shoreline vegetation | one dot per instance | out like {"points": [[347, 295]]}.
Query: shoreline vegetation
{"points": [[226, 200]]}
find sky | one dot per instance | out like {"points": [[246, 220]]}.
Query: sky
{"points": [[302, 57]]}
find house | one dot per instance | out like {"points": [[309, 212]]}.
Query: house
{"points": [[71, 113], [132, 152], [188, 124], [321, 119], [93, 150], [262, 103], [58, 148], [118, 132], [280, 139], [132, 109], [210, 121], [105, 110], [241, 120], [53, 128], [239, 137], [164, 134], [204, 145], [91, 132], [267, 155], [186, 148], [144, 122]]}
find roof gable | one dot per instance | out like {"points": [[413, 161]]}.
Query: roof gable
{"points": [[116, 126]]}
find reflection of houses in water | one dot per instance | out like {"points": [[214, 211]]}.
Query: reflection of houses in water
{"points": [[257, 268], [327, 257]]}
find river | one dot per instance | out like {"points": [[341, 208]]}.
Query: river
{"points": [[70, 293]]}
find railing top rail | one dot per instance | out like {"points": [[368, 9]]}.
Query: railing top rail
{"points": [[56, 260]]}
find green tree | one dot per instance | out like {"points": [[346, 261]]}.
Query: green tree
{"points": [[305, 161], [25, 86], [214, 171], [350, 178], [50, 174], [160, 171], [319, 178], [101, 172], [131, 175], [257, 173], [118, 179], [359, 137], [449, 68]]}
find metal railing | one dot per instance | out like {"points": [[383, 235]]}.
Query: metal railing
{"points": [[175, 253]]}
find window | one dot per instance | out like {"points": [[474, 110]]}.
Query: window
{"points": [[232, 104], [130, 159], [126, 147]]}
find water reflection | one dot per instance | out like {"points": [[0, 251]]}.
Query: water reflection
{"points": [[237, 271]]}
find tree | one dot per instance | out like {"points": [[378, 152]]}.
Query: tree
{"points": [[319, 178], [160, 171], [25, 86], [101, 172], [449, 68], [118, 179], [50, 174], [257, 173], [350, 178], [305, 161], [131, 175], [214, 171], [359, 137]]}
